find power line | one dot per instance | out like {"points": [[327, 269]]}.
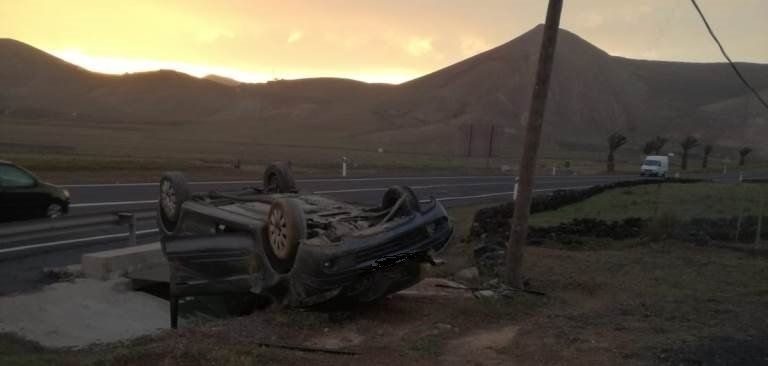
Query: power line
{"points": [[722, 50]]}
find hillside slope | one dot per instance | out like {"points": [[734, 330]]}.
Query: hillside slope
{"points": [[592, 95]]}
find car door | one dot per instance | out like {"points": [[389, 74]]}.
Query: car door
{"points": [[21, 198], [5, 205]]}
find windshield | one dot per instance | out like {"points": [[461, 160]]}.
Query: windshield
{"points": [[650, 162]]}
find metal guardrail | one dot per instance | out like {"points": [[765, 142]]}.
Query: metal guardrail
{"points": [[15, 233]]}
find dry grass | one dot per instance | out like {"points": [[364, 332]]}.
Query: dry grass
{"points": [[652, 303], [683, 201], [607, 307]]}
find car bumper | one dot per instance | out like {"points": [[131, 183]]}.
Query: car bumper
{"points": [[650, 173], [380, 256]]}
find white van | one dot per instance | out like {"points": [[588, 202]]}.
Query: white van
{"points": [[655, 165]]}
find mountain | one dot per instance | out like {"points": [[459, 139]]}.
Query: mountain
{"points": [[222, 80], [592, 94]]}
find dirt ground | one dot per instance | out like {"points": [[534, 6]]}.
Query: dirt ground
{"points": [[667, 303], [636, 303]]}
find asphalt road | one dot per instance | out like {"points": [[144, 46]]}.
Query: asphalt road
{"points": [[95, 198]]}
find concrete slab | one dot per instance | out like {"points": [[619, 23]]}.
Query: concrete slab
{"points": [[112, 264], [83, 312]]}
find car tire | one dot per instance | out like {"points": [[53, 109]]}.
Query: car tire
{"points": [[54, 210], [174, 190], [285, 230], [394, 193], [278, 178]]}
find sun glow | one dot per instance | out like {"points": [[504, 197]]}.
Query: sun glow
{"points": [[119, 66], [114, 65]]}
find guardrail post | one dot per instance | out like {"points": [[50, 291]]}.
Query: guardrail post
{"points": [[759, 229], [130, 219], [132, 231], [514, 193]]}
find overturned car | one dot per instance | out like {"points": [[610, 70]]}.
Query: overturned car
{"points": [[297, 249]]}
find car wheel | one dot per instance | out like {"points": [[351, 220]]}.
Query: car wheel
{"points": [[278, 178], [54, 210], [174, 190], [394, 193], [286, 228]]}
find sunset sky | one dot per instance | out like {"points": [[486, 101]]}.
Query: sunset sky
{"points": [[376, 41]]}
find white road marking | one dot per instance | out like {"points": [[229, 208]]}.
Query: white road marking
{"points": [[119, 203], [502, 194], [375, 189], [413, 187], [70, 241], [372, 179], [311, 180], [153, 184]]}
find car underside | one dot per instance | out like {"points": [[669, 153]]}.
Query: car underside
{"points": [[296, 249]]}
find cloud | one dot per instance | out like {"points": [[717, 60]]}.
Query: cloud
{"points": [[419, 46], [295, 36]]}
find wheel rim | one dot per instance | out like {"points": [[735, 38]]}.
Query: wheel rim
{"points": [[278, 234], [168, 199], [53, 211]]}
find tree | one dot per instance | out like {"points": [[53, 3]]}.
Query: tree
{"points": [[658, 144], [687, 144], [654, 146], [743, 154], [615, 141], [649, 148], [707, 151]]}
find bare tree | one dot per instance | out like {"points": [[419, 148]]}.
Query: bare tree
{"points": [[658, 144], [615, 141], [743, 154], [687, 144], [707, 151], [649, 148], [654, 146]]}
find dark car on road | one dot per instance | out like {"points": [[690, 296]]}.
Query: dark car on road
{"points": [[297, 249], [24, 196]]}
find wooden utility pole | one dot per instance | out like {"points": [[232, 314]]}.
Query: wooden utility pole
{"points": [[519, 233]]}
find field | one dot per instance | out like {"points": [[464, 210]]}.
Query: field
{"points": [[107, 151], [684, 201], [662, 302], [67, 168]]}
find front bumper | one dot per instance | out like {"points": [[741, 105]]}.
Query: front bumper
{"points": [[379, 255]]}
